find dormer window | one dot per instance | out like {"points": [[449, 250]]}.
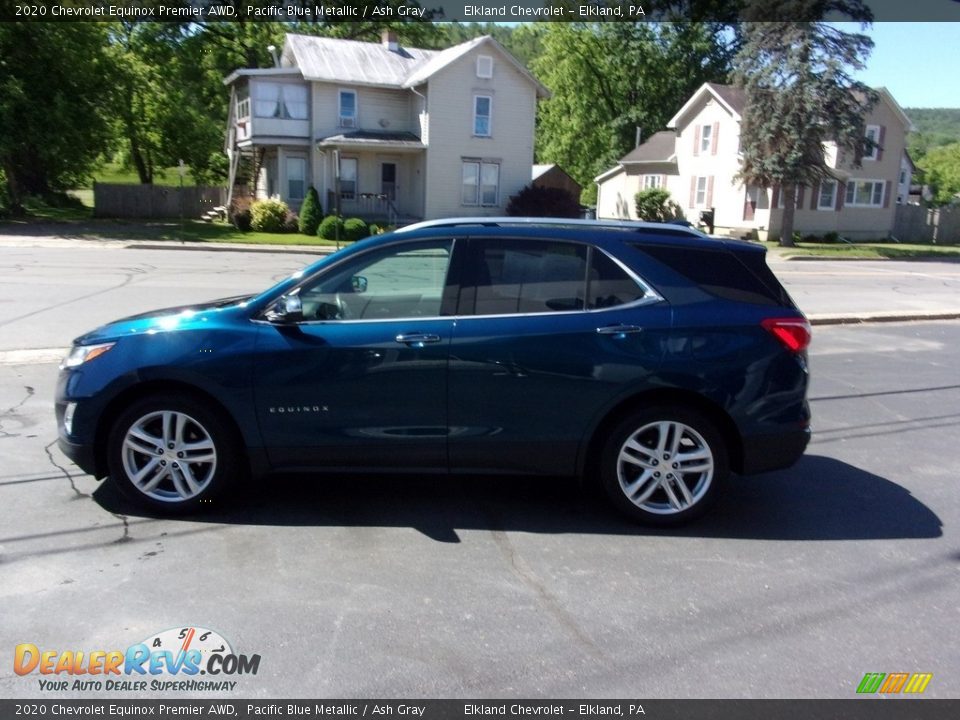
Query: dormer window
{"points": [[348, 109], [484, 66]]}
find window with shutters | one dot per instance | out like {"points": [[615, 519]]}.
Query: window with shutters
{"points": [[872, 151]]}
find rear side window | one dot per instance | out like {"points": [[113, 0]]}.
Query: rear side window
{"points": [[722, 273], [524, 276], [608, 284]]}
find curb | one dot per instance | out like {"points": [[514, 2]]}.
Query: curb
{"points": [[220, 247], [885, 317]]}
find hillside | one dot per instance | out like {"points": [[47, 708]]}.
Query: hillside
{"points": [[935, 127]]}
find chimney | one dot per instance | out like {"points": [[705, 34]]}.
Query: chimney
{"points": [[389, 40]]}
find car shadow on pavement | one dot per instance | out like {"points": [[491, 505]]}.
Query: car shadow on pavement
{"points": [[820, 498]]}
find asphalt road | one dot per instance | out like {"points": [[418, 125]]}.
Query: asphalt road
{"points": [[799, 583]]}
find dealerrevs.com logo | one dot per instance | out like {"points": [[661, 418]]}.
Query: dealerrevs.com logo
{"points": [[168, 661]]}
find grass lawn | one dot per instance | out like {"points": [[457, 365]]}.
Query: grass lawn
{"points": [[112, 172], [867, 251]]}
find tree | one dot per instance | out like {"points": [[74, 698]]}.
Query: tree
{"points": [[311, 212], [537, 201], [608, 79], [655, 205], [941, 169], [53, 121], [800, 95]]}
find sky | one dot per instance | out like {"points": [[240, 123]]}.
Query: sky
{"points": [[916, 62]]}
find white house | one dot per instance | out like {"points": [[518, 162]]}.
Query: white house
{"points": [[698, 159], [395, 132]]}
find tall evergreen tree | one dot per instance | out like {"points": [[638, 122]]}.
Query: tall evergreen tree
{"points": [[800, 95]]}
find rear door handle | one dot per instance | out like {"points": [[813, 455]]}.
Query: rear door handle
{"points": [[619, 329], [417, 339]]}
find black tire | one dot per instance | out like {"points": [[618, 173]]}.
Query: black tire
{"points": [[202, 426], [623, 480]]}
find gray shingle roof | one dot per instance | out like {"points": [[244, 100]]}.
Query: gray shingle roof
{"points": [[735, 97], [354, 62], [659, 147]]}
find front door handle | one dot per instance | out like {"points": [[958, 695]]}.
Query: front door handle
{"points": [[619, 330], [417, 340]]}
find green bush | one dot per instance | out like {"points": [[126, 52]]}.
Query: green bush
{"points": [[239, 213], [831, 237], [655, 205], [374, 229], [310, 212], [327, 229], [536, 201], [354, 229], [291, 223], [268, 215]]}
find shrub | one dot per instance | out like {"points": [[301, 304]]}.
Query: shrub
{"points": [[374, 229], [327, 229], [354, 229], [268, 215], [310, 213], [831, 237], [655, 205], [536, 201], [811, 238], [239, 213], [291, 223]]}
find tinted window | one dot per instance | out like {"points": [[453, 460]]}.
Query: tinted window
{"points": [[395, 282], [720, 273], [528, 276], [609, 284]]}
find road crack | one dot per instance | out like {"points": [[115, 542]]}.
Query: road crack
{"points": [[11, 411], [125, 537]]}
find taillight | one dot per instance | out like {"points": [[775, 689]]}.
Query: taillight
{"points": [[793, 332]]}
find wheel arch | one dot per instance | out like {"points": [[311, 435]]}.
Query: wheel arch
{"points": [[590, 454], [150, 388]]}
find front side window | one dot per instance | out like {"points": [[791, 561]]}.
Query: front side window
{"points": [[482, 115], [296, 177], [348, 178], [348, 108], [480, 183], [864, 193], [405, 281]]}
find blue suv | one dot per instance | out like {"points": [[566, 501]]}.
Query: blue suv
{"points": [[644, 357]]}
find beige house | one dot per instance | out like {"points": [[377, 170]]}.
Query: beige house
{"points": [[698, 159], [385, 131]]}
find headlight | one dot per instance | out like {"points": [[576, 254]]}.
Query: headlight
{"points": [[84, 353]]}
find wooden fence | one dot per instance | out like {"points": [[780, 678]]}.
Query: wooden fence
{"points": [[916, 224], [155, 201]]}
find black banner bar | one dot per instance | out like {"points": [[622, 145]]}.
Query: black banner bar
{"points": [[459, 10], [873, 708]]}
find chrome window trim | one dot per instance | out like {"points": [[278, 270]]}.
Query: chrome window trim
{"points": [[650, 297]]}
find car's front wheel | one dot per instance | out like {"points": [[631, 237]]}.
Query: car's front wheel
{"points": [[664, 466], [171, 453]]}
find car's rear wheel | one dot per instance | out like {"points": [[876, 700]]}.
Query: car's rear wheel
{"points": [[172, 453], [664, 466]]}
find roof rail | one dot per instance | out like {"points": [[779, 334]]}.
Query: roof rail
{"points": [[548, 222]]}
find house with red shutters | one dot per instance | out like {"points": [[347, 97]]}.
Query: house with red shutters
{"points": [[697, 159]]}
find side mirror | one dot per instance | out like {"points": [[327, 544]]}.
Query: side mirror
{"points": [[286, 311], [358, 283]]}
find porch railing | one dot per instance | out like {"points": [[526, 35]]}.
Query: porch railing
{"points": [[369, 206]]}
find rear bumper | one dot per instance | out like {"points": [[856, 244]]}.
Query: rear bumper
{"points": [[762, 453]]}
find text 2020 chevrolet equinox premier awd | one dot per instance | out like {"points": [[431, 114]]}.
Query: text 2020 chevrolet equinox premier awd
{"points": [[645, 357]]}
